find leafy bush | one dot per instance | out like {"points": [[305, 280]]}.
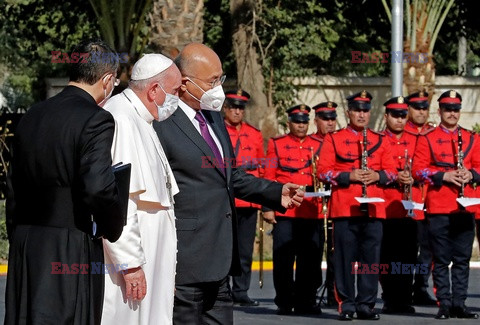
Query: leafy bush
{"points": [[3, 233]]}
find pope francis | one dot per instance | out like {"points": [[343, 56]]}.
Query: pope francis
{"points": [[142, 291]]}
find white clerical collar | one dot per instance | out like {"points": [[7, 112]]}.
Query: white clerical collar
{"points": [[139, 106], [190, 112]]}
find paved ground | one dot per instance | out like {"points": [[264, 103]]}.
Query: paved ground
{"points": [[265, 313]]}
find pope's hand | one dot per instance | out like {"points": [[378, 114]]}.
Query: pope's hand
{"points": [[135, 283], [292, 195]]}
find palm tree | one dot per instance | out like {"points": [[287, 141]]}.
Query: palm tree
{"points": [[175, 23], [423, 20], [122, 26]]}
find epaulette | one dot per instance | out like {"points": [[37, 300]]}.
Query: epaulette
{"points": [[380, 133], [311, 136], [279, 137], [467, 130], [252, 126], [427, 131], [410, 132]]}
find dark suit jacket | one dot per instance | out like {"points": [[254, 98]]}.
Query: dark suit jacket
{"points": [[205, 207], [61, 176]]}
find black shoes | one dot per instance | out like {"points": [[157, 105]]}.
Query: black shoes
{"points": [[284, 311], [345, 316], [424, 299], [312, 310], [398, 309], [462, 312], [366, 313], [443, 313], [246, 302]]}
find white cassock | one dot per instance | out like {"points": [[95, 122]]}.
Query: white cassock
{"points": [[149, 239]]}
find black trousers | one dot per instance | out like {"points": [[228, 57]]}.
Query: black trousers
{"points": [[451, 237], [297, 240], [203, 303], [356, 239], [399, 252], [247, 226], [477, 222], [424, 257]]}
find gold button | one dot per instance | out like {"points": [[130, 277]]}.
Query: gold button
{"points": [[302, 159], [398, 142], [399, 157], [301, 147], [302, 173]]}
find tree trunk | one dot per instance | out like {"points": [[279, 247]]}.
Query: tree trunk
{"points": [[249, 68], [174, 24]]}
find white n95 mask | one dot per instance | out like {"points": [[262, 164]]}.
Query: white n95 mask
{"points": [[212, 99]]}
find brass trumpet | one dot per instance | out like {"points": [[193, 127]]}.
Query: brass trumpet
{"points": [[317, 185], [407, 188]]}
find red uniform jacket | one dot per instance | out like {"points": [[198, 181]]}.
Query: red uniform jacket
{"points": [[248, 145], [341, 153], [435, 154], [394, 192], [294, 164]]}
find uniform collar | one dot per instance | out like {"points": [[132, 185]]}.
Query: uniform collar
{"points": [[349, 128], [444, 129], [297, 139], [233, 127]]}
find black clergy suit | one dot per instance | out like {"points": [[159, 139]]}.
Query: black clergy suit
{"points": [[206, 218], [61, 178]]}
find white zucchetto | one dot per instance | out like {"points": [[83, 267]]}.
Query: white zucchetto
{"points": [[150, 65]]}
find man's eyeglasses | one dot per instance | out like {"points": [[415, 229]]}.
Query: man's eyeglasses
{"points": [[217, 82]]}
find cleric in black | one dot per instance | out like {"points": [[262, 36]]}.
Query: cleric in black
{"points": [[62, 181]]}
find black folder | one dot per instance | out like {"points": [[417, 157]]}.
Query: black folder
{"points": [[122, 178]]}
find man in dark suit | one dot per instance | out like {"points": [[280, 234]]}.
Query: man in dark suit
{"points": [[201, 156], [64, 199]]}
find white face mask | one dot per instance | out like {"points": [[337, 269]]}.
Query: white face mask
{"points": [[212, 99], [106, 97], [168, 107]]}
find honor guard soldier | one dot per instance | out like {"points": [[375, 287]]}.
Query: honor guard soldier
{"points": [[325, 118], [298, 233], [356, 161], [418, 112], [446, 157], [399, 244], [326, 122], [247, 142]]}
